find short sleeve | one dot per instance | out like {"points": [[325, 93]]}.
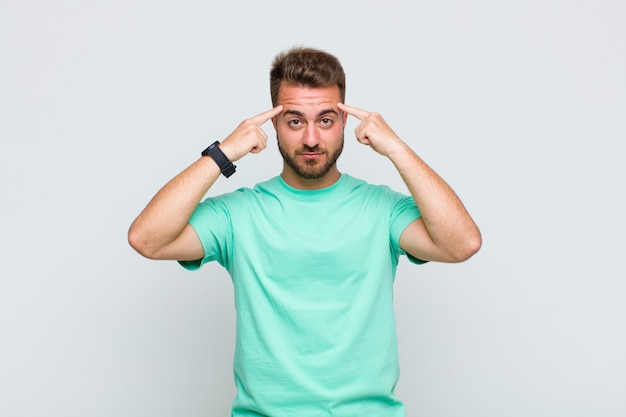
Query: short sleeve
{"points": [[212, 223], [404, 212]]}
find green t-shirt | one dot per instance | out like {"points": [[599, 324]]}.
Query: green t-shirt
{"points": [[313, 274]]}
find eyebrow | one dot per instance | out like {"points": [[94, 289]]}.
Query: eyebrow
{"points": [[300, 114]]}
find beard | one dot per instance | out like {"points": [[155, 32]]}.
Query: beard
{"points": [[311, 169]]}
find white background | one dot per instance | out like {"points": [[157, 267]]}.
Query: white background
{"points": [[519, 105]]}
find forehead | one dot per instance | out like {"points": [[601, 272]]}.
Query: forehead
{"points": [[290, 95]]}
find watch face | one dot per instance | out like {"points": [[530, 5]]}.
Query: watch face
{"points": [[220, 159], [209, 148]]}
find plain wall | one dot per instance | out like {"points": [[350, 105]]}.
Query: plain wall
{"points": [[519, 105]]}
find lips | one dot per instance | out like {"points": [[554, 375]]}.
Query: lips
{"points": [[310, 155]]}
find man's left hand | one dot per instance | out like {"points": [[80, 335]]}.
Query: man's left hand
{"points": [[374, 131]]}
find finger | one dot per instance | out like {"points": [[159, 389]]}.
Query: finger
{"points": [[259, 119], [358, 113], [261, 143]]}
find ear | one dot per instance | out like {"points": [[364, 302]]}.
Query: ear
{"points": [[345, 119], [274, 120]]}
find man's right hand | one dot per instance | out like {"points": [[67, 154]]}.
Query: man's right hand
{"points": [[162, 230], [249, 137]]}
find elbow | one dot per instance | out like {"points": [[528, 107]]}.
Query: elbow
{"points": [[464, 248], [140, 243], [471, 245]]}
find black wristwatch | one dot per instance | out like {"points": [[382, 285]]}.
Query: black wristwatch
{"points": [[220, 159]]}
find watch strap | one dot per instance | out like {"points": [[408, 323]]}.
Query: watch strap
{"points": [[220, 159]]}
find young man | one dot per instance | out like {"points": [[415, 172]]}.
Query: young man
{"points": [[313, 252]]}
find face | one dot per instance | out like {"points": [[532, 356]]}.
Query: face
{"points": [[310, 135]]}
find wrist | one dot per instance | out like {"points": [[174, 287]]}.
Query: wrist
{"points": [[214, 152], [398, 150]]}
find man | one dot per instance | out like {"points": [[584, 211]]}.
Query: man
{"points": [[313, 252]]}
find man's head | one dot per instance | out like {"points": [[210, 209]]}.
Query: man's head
{"points": [[306, 67], [309, 84]]}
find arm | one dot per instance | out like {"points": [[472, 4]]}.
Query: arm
{"points": [[162, 230], [445, 232]]}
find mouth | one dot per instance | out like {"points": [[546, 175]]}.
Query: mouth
{"points": [[310, 155]]}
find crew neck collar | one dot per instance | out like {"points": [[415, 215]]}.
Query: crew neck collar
{"points": [[319, 192]]}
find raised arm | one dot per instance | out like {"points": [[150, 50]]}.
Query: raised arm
{"points": [[162, 230], [445, 232]]}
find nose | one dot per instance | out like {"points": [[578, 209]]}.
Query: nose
{"points": [[311, 137]]}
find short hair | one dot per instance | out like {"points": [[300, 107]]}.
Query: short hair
{"points": [[307, 67]]}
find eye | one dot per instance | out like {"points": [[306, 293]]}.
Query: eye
{"points": [[295, 123], [327, 121]]}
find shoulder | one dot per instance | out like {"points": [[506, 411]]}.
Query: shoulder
{"points": [[243, 192], [364, 188], [239, 200]]}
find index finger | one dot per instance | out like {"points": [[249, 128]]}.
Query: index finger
{"points": [[358, 113], [259, 119]]}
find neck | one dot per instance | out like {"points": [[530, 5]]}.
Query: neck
{"points": [[296, 181]]}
